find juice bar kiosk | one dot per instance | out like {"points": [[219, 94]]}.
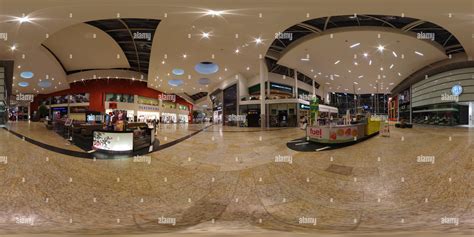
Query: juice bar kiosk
{"points": [[338, 131]]}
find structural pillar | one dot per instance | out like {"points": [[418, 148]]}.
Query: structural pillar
{"points": [[295, 91], [263, 77]]}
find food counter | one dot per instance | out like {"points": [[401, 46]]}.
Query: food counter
{"points": [[333, 134]]}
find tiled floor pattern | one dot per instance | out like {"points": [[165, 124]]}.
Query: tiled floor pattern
{"points": [[227, 177]]}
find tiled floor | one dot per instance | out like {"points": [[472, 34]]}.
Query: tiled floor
{"points": [[226, 178]]}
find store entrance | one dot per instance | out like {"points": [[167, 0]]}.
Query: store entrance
{"points": [[464, 115]]}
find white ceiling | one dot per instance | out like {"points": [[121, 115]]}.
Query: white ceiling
{"points": [[247, 18], [333, 63]]}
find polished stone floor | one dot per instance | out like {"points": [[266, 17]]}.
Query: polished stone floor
{"points": [[228, 180]]}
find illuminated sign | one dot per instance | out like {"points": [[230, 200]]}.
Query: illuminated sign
{"points": [[456, 90], [112, 141]]}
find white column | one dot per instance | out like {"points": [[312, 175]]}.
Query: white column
{"points": [[263, 78], [295, 91], [314, 89]]}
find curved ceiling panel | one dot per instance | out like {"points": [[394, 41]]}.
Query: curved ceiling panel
{"points": [[83, 47]]}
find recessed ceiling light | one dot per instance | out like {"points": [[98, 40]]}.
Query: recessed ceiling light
{"points": [[419, 53], [258, 40], [370, 62], [356, 83], [13, 48], [237, 51], [336, 75], [366, 55], [205, 35], [381, 69], [214, 13], [394, 54], [23, 19], [355, 45], [380, 48], [391, 66], [355, 63], [305, 59], [360, 76], [185, 55], [349, 71], [399, 74], [337, 61]]}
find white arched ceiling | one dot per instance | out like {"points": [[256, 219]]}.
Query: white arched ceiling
{"points": [[248, 19], [340, 68], [90, 48]]}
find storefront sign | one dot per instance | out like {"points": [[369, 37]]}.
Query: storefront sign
{"points": [[305, 107], [148, 108], [281, 87], [112, 141], [332, 135]]}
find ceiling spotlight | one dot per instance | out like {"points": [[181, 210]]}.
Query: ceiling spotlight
{"points": [[399, 74], [258, 40], [355, 63], [23, 19], [354, 45], [205, 35], [214, 13], [305, 59], [338, 61], [356, 83], [13, 48], [394, 54], [381, 69], [360, 76], [391, 66], [185, 55], [237, 51], [370, 62], [419, 53], [380, 48], [366, 55]]}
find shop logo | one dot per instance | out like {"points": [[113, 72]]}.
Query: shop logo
{"points": [[307, 97], [25, 97], [236, 118], [167, 97], [141, 36], [4, 36], [284, 35], [425, 36], [316, 132], [456, 90]]}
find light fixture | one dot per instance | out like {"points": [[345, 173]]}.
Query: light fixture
{"points": [[237, 51], [380, 48], [419, 53], [13, 48], [360, 76], [354, 45], [394, 54], [366, 55], [214, 13], [185, 56], [258, 40], [399, 74], [205, 35], [355, 63], [391, 66], [381, 69], [338, 61], [23, 19], [356, 83], [305, 59]]}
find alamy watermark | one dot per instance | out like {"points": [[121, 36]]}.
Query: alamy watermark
{"points": [[23, 220], [446, 97], [284, 35], [425, 35], [284, 159], [4, 36], [236, 118], [307, 97], [167, 97], [142, 159], [307, 220], [425, 159], [25, 97], [450, 221], [140, 36], [4, 159], [167, 220]]}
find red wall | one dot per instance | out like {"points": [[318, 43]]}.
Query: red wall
{"points": [[98, 88]]}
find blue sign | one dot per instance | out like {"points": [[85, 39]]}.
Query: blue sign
{"points": [[456, 90]]}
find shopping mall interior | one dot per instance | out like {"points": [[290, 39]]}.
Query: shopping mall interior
{"points": [[233, 118]]}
